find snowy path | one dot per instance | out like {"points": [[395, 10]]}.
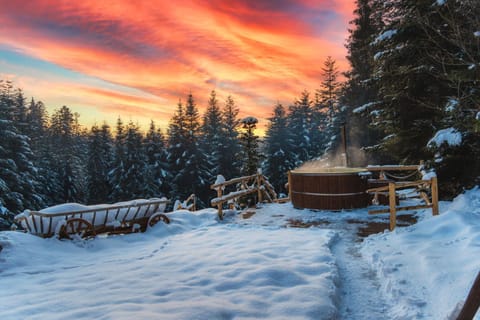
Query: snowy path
{"points": [[359, 287], [359, 294]]}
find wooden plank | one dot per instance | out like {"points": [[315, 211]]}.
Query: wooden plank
{"points": [[393, 168], [136, 213], [377, 189], [267, 195], [281, 200], [399, 185], [106, 217], [434, 190], [232, 181], [118, 212], [406, 208], [232, 195], [124, 220], [50, 226], [472, 303], [94, 217], [35, 224], [26, 222], [269, 187], [41, 226], [392, 203]]}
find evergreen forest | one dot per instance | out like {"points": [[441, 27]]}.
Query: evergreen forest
{"points": [[414, 73]]}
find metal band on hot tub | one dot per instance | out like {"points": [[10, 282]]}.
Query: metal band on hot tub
{"points": [[329, 194]]}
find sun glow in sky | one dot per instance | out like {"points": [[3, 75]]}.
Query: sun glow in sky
{"points": [[136, 59]]}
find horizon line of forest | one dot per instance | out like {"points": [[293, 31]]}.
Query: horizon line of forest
{"points": [[415, 71]]}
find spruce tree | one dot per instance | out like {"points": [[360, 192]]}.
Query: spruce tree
{"points": [[176, 145], [155, 150], [250, 152], [118, 170], [229, 162], [188, 163], [300, 124], [360, 90], [98, 164], [212, 132], [136, 172], [18, 184], [69, 155], [329, 98], [451, 30], [410, 98], [279, 156]]}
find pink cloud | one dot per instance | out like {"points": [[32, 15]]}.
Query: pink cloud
{"points": [[257, 51]]}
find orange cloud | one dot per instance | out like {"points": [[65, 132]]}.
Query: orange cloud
{"points": [[260, 52]]}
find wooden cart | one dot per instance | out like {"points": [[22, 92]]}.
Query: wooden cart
{"points": [[76, 220]]}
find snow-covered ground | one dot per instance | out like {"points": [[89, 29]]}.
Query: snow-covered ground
{"points": [[279, 263]]}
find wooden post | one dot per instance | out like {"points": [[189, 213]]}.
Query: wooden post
{"points": [[392, 202], [472, 303], [290, 185], [259, 190], [434, 189], [220, 204]]}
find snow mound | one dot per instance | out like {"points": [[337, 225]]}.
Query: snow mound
{"points": [[428, 268], [192, 268]]}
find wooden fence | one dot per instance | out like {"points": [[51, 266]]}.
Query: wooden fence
{"points": [[254, 184], [425, 189]]}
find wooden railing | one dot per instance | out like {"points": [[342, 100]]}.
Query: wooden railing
{"points": [[246, 185], [394, 182]]}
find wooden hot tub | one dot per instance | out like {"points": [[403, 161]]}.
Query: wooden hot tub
{"points": [[329, 188]]}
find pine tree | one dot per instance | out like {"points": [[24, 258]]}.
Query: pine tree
{"points": [[196, 170], [229, 162], [249, 141], [136, 168], [329, 98], [176, 144], [155, 150], [451, 30], [318, 136], [410, 96], [330, 86], [360, 90], [188, 163], [300, 125], [212, 131], [69, 155], [18, 184], [117, 173], [98, 165], [278, 150]]}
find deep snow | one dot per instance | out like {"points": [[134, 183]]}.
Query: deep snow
{"points": [[260, 267]]}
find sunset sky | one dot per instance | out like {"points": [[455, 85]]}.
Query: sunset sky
{"points": [[136, 59]]}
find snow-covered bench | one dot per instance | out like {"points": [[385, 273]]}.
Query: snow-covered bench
{"points": [[71, 218]]}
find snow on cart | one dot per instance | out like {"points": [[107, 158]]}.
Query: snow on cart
{"points": [[69, 219]]}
